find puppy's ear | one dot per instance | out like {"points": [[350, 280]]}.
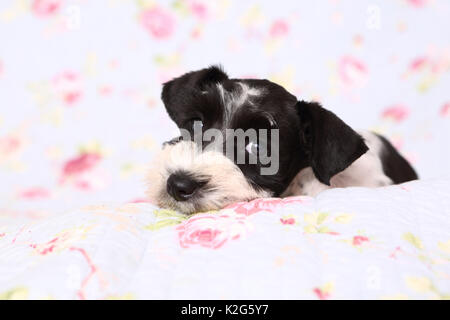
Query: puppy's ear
{"points": [[177, 92], [330, 144]]}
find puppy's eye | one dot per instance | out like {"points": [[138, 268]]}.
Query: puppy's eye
{"points": [[252, 148], [257, 149]]}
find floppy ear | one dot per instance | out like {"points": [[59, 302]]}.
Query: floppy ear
{"points": [[178, 92], [331, 145]]}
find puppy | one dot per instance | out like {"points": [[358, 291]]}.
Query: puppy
{"points": [[246, 138]]}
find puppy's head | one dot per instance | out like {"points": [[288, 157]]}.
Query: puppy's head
{"points": [[247, 138]]}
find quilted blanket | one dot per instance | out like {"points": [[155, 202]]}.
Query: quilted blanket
{"points": [[353, 243]]}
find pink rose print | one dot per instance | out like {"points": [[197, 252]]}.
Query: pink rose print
{"points": [[105, 90], [418, 63], [436, 63], [60, 242], [83, 172], [158, 22], [294, 200], [396, 251], [263, 204], [352, 71], [10, 145], [417, 3], [45, 8], [255, 206], [288, 221], [81, 163], [211, 231], [68, 87], [396, 113], [322, 295], [359, 240], [93, 270], [445, 110], [199, 10], [279, 29], [35, 193], [46, 248]]}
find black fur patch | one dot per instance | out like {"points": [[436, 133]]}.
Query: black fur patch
{"points": [[394, 165], [194, 95], [331, 145]]}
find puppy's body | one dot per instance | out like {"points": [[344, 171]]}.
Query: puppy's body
{"points": [[315, 151], [380, 166]]}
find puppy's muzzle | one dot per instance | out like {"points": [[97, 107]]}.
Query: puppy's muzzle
{"points": [[182, 187], [185, 178]]}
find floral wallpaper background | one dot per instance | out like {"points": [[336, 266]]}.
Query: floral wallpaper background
{"points": [[80, 113]]}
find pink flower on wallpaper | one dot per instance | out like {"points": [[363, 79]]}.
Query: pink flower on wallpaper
{"points": [[279, 28], [287, 221], [396, 251], [211, 231], [417, 3], [105, 90], [35, 193], [352, 71], [418, 63], [396, 113], [321, 294], [83, 173], [359, 240], [158, 22], [436, 62], [81, 164], [10, 145], [199, 9], [45, 8], [68, 87], [445, 110]]}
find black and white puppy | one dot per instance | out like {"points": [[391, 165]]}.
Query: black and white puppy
{"points": [[316, 149]]}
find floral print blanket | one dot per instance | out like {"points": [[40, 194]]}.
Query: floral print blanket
{"points": [[356, 243]]}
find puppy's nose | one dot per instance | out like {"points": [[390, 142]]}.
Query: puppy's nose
{"points": [[181, 187]]}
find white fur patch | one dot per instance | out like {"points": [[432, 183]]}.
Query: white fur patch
{"points": [[234, 100], [226, 183], [305, 183], [367, 171]]}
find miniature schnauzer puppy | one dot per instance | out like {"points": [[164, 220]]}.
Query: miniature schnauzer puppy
{"points": [[245, 138]]}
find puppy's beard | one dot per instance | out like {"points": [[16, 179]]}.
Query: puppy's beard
{"points": [[226, 183]]}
